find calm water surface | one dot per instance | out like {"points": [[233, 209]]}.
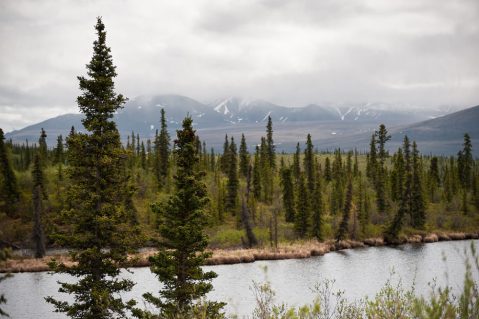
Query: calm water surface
{"points": [[360, 272]]}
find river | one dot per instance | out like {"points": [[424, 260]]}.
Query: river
{"points": [[359, 272]]}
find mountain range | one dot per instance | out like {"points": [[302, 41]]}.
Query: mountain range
{"points": [[345, 126]]}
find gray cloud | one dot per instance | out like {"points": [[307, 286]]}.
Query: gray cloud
{"points": [[421, 53]]}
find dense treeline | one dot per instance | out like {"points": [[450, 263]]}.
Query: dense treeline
{"points": [[390, 192], [103, 199]]}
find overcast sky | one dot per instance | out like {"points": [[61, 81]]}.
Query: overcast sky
{"points": [[423, 53]]}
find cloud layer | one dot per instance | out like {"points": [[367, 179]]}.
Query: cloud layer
{"points": [[421, 53]]}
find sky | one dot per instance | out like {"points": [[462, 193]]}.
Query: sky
{"points": [[409, 53]]}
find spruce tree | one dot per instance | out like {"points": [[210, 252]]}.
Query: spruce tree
{"points": [[302, 222], [163, 151], [317, 208], [257, 175], [224, 158], [309, 164], [270, 144], [296, 164], [433, 178], [344, 225], [233, 183], [288, 194], [9, 194], [42, 147], [59, 150], [465, 163], [418, 206], [243, 157], [37, 197], [404, 195], [182, 220], [98, 234]]}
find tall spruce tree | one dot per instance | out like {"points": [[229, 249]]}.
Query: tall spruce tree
{"points": [[288, 194], [418, 206], [344, 225], [233, 182], [59, 150], [382, 137], [296, 170], [302, 217], [309, 164], [42, 148], [224, 161], [243, 157], [257, 175], [37, 198], [465, 163], [404, 195], [317, 209], [99, 235], [163, 151], [270, 144], [9, 194], [182, 247]]}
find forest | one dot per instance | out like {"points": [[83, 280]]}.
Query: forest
{"points": [[103, 199]]}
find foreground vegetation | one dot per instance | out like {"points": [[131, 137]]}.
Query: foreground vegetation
{"points": [[102, 200]]}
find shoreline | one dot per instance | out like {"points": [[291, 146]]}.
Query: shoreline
{"points": [[295, 250]]}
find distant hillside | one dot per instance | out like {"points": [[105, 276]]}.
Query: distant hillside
{"points": [[442, 135], [234, 114]]}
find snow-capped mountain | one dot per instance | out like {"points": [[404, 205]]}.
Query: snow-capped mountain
{"points": [[142, 115]]}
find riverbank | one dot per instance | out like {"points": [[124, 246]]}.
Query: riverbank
{"points": [[295, 250]]}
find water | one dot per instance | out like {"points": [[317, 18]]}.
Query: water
{"points": [[360, 272]]}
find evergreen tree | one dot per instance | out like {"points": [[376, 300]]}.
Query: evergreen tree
{"points": [[302, 222], [233, 183], [344, 225], [37, 196], [380, 174], [382, 137], [143, 155], [317, 208], [270, 144], [433, 178], [397, 176], [465, 163], [182, 248], [243, 157], [266, 172], [257, 175], [356, 164], [288, 194], [296, 164], [224, 158], [42, 147], [28, 157], [59, 150], [9, 194], [418, 206], [163, 151], [405, 195], [98, 236], [309, 164]]}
